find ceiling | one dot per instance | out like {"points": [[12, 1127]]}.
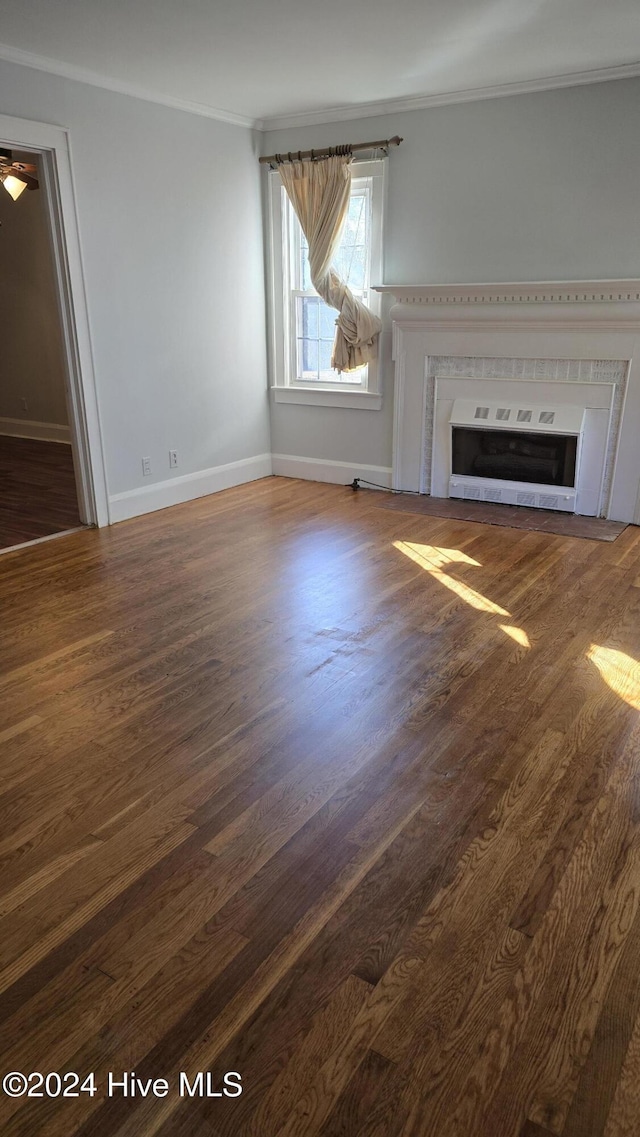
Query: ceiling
{"points": [[274, 61]]}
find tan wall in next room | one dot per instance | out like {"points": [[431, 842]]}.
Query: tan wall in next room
{"points": [[31, 357]]}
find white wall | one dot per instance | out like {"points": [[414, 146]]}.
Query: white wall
{"points": [[530, 187], [31, 361], [170, 226]]}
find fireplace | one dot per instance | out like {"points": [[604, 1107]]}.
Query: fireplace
{"points": [[544, 344]]}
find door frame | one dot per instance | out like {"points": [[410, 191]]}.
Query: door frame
{"points": [[52, 145]]}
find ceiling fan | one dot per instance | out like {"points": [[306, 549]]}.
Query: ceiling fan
{"points": [[16, 176]]}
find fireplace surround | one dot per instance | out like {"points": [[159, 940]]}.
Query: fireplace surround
{"points": [[576, 343]]}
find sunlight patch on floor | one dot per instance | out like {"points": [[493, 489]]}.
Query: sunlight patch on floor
{"points": [[433, 559], [620, 672], [517, 634]]}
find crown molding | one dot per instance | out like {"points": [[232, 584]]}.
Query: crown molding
{"points": [[327, 115], [69, 71], [469, 95]]}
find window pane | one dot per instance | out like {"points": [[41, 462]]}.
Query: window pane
{"points": [[308, 355], [328, 317], [351, 259], [358, 267], [310, 306], [325, 356], [357, 218]]}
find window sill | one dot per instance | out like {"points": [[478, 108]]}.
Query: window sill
{"points": [[329, 397]]}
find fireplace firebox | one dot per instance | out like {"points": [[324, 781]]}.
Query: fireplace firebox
{"points": [[514, 456]]}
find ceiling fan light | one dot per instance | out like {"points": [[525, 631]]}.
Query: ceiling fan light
{"points": [[13, 185]]}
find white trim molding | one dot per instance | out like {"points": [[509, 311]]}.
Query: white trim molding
{"points": [[326, 470], [444, 98], [527, 292], [175, 491], [41, 431], [186, 487], [524, 321], [593, 301], [120, 86], [329, 397]]}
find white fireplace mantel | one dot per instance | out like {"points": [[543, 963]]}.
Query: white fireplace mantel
{"points": [[537, 300], [542, 320]]}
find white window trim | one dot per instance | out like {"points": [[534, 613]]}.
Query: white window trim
{"points": [[312, 393]]}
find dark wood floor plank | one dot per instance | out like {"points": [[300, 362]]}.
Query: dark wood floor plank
{"points": [[37, 490], [601, 1071], [354, 1103], [622, 1120], [330, 1026]]}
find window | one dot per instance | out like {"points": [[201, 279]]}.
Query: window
{"points": [[303, 326]]}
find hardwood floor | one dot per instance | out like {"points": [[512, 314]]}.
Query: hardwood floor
{"points": [[37, 490], [343, 799]]}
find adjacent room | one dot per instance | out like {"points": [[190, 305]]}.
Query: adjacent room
{"points": [[319, 569], [38, 494]]}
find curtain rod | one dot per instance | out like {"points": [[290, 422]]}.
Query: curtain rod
{"points": [[328, 151]]}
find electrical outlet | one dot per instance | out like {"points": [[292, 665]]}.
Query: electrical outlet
{"points": [[173, 459], [25, 403], [146, 467]]}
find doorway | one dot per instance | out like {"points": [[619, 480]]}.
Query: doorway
{"points": [[38, 495], [52, 477]]}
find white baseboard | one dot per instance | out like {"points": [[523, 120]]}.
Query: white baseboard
{"points": [[42, 431], [174, 491], [324, 470]]}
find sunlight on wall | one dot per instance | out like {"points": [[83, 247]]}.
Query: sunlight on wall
{"points": [[621, 672]]}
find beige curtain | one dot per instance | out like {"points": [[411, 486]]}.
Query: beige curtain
{"points": [[319, 192]]}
